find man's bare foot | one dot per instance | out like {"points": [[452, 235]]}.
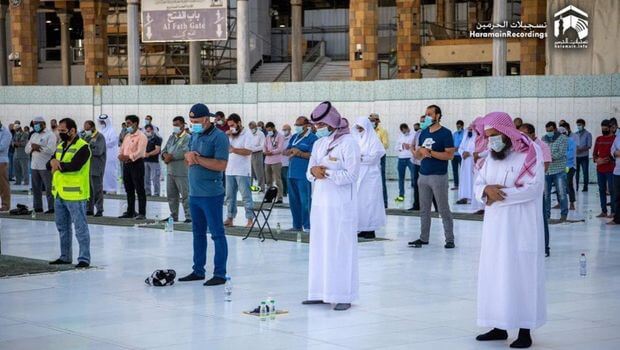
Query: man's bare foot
{"points": [[228, 222]]}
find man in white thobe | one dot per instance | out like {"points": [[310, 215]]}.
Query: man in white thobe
{"points": [[370, 209], [111, 165], [333, 170], [466, 172], [511, 279]]}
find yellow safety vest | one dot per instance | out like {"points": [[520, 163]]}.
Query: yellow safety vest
{"points": [[72, 186]]}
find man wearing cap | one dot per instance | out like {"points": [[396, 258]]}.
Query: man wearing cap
{"points": [[20, 158], [333, 169], [207, 159], [383, 137], [41, 148]]}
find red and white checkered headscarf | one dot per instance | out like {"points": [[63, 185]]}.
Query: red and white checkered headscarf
{"points": [[503, 123]]}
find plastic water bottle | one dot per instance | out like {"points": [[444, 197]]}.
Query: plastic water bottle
{"points": [[278, 229], [228, 290], [272, 309], [298, 237], [33, 214], [582, 264], [170, 225], [263, 311]]}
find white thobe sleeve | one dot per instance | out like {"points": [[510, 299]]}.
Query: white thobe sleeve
{"points": [[480, 183], [374, 157], [312, 163], [350, 166], [531, 190]]}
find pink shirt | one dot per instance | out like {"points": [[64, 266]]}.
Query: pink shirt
{"points": [[134, 145], [545, 150], [274, 144]]}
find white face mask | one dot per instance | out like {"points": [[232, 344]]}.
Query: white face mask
{"points": [[496, 143], [233, 130]]}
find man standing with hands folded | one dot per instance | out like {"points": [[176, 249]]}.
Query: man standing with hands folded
{"points": [[131, 155]]}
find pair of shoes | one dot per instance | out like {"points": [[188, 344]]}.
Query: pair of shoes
{"points": [[418, 243], [127, 215], [563, 218], [400, 199], [60, 262], [454, 188], [38, 210], [342, 307], [82, 265], [51, 211], [449, 245], [215, 281], [493, 334], [279, 201], [191, 277], [90, 213], [99, 214], [462, 201], [313, 302], [140, 217], [414, 208], [602, 215], [366, 235], [188, 221]]}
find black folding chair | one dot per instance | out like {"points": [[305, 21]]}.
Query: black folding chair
{"points": [[264, 210]]}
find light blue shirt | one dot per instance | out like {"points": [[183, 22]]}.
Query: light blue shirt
{"points": [[571, 153], [5, 143], [616, 147], [458, 138]]}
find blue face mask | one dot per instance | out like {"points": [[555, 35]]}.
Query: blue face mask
{"points": [[176, 130], [299, 129], [428, 121], [580, 127], [322, 132], [270, 133], [130, 129], [197, 128], [37, 128], [550, 134]]}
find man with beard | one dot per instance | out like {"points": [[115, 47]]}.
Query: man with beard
{"points": [[511, 280]]}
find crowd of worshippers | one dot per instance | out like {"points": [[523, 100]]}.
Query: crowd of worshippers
{"points": [[263, 156]]}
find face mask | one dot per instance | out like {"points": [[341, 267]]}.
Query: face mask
{"points": [[88, 133], [286, 132], [428, 121], [580, 127], [270, 133], [497, 143], [64, 136], [233, 130], [220, 122], [406, 132], [322, 132], [253, 131], [605, 132], [147, 122], [550, 134], [299, 129], [176, 130], [469, 134], [459, 128], [149, 134], [37, 128], [197, 128], [130, 130], [16, 126]]}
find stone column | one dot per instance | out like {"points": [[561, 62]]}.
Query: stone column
{"points": [[243, 42], [500, 45], [533, 60], [363, 18], [65, 47], [4, 78], [296, 41], [449, 19], [133, 42], [408, 55], [95, 15], [24, 42], [195, 63]]}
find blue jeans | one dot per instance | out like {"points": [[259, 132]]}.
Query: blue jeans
{"points": [[208, 212], [403, 165], [67, 213], [383, 160], [299, 198], [559, 180], [241, 183], [583, 163], [456, 162], [606, 183]]}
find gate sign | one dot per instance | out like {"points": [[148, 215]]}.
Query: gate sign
{"points": [[184, 20]]}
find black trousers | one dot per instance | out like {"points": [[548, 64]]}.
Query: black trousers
{"points": [[456, 163], [133, 179]]}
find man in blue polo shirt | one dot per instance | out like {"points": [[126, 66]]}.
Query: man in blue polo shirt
{"points": [[207, 159], [436, 149], [299, 150]]}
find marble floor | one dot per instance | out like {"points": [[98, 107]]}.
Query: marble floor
{"points": [[409, 298]]}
